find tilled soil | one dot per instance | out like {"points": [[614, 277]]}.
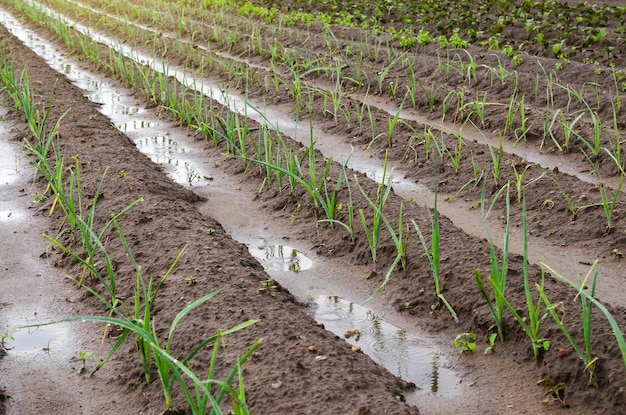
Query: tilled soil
{"points": [[300, 368]]}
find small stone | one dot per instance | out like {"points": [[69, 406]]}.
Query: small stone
{"points": [[277, 385], [320, 358], [357, 348], [312, 349]]}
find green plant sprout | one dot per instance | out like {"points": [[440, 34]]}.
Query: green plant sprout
{"points": [[497, 279], [433, 252], [555, 390], [492, 341], [372, 231], [586, 354], [465, 342], [83, 359], [4, 338]]}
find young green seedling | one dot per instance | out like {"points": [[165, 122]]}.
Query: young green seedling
{"points": [[83, 359], [465, 342], [433, 252]]}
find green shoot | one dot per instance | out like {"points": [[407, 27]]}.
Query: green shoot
{"points": [[433, 252]]}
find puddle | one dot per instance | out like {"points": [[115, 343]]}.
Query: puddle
{"points": [[280, 257], [38, 339], [10, 158], [10, 166], [402, 353], [165, 151], [10, 214], [39, 379]]}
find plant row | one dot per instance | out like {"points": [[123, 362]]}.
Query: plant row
{"points": [[603, 150], [302, 173], [134, 318], [534, 110]]}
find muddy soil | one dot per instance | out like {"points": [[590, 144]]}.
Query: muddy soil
{"points": [[300, 367]]}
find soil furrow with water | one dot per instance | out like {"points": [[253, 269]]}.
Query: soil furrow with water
{"points": [[410, 291]]}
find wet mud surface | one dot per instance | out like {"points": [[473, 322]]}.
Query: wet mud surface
{"points": [[302, 368]]}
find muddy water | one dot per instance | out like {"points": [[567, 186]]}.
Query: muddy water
{"points": [[403, 351]]}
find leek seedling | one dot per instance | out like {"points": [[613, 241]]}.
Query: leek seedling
{"points": [[383, 73], [532, 324], [497, 279], [468, 71], [373, 232], [587, 303], [433, 252], [608, 201], [594, 146], [349, 226], [430, 95], [479, 173], [392, 126], [496, 159], [412, 87], [618, 97], [568, 129], [582, 291], [332, 199], [535, 318], [519, 180]]}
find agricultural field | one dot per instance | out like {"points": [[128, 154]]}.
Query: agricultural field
{"points": [[457, 165]]}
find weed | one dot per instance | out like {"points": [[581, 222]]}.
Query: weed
{"points": [[492, 342], [83, 359], [465, 342], [555, 390]]}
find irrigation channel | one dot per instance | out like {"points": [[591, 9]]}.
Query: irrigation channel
{"points": [[404, 351], [384, 336], [461, 213]]}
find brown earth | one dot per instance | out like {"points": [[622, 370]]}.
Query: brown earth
{"points": [[346, 382]]}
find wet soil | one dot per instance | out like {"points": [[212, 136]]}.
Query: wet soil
{"points": [[285, 376]]}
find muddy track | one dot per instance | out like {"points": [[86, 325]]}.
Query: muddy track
{"points": [[462, 255]]}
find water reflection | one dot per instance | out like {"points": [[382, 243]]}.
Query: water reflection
{"points": [[402, 353], [281, 258]]}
